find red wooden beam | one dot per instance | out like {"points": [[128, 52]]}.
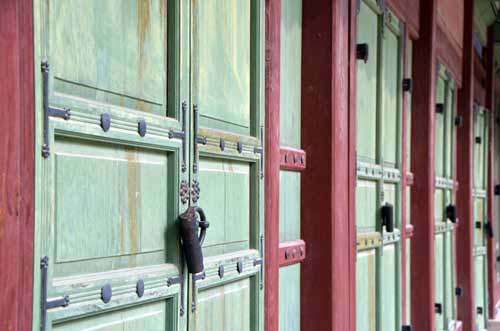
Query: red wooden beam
{"points": [[292, 252], [465, 239], [327, 298], [490, 104], [422, 160], [293, 159], [272, 164], [16, 164]]}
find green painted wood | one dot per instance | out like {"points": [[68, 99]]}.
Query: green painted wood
{"points": [[366, 83], [221, 63], [227, 83], [108, 201], [290, 72], [445, 270], [289, 298], [289, 205], [409, 74], [290, 132], [379, 155], [496, 180], [480, 215], [366, 291]]}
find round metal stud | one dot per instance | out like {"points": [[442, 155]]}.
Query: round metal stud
{"points": [[239, 267], [221, 271], [287, 254], [294, 253], [105, 122], [295, 158], [139, 288], [142, 128], [222, 144], [302, 251], [106, 293]]}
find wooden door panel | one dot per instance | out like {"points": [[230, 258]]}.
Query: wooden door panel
{"points": [[366, 291], [479, 290], [123, 191], [366, 98], [229, 212], [222, 69], [289, 205], [389, 289], [366, 205], [225, 307], [111, 51], [439, 270], [149, 317], [391, 99]]}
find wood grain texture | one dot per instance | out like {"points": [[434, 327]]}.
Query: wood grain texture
{"points": [[449, 53], [327, 229], [409, 12], [16, 164], [465, 266], [272, 164], [422, 160]]}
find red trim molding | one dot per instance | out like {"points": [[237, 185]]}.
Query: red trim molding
{"points": [[465, 264], [327, 222], [272, 164], [490, 104], [17, 164], [293, 159], [292, 252]]}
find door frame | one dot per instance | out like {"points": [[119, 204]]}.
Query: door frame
{"points": [[17, 161]]}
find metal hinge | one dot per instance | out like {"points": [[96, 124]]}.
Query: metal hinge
{"points": [[46, 304], [260, 150], [181, 135], [64, 113], [178, 280]]}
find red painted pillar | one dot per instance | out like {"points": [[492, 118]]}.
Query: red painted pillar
{"points": [[272, 165], [465, 207], [16, 164], [490, 104], [328, 277], [422, 160]]}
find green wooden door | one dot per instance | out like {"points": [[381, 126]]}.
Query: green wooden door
{"points": [[227, 88], [444, 206], [481, 124], [378, 189], [123, 166]]}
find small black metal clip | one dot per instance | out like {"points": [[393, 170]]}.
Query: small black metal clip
{"points": [[439, 108], [438, 308], [459, 291], [407, 85], [362, 52], [387, 213]]}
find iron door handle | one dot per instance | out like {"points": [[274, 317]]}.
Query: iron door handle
{"points": [[191, 239], [387, 213]]}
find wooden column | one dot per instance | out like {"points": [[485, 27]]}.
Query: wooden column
{"points": [[465, 207], [272, 165], [490, 104], [328, 276], [422, 159], [16, 164]]}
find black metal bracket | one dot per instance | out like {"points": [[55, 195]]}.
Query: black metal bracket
{"points": [[197, 139], [497, 189], [479, 310], [451, 213], [439, 108], [260, 150], [488, 228], [459, 291], [406, 328], [46, 304], [362, 52], [407, 85], [64, 113], [387, 213], [438, 308], [178, 280], [459, 120], [181, 135], [478, 140]]}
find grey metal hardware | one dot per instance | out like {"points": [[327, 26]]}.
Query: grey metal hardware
{"points": [[105, 122], [181, 135], [142, 128], [106, 293], [64, 113], [46, 304]]}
